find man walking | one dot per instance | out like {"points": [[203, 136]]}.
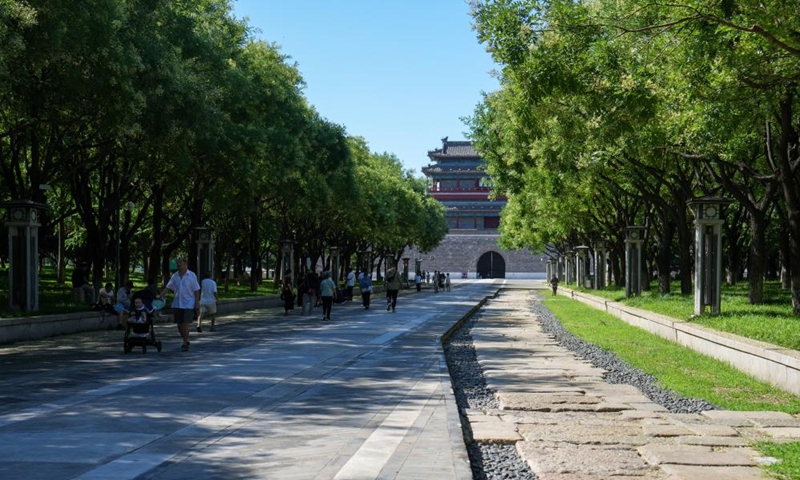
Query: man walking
{"points": [[186, 300], [208, 301]]}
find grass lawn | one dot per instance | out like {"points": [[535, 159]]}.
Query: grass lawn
{"points": [[684, 371], [771, 322], [55, 298]]}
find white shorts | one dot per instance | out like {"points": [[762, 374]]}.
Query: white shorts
{"points": [[208, 309]]}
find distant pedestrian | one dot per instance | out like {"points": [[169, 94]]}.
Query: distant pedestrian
{"points": [[447, 282], [208, 301], [310, 292], [435, 279], [418, 281], [366, 290], [186, 301], [327, 290], [351, 283], [287, 295], [554, 284], [392, 289]]}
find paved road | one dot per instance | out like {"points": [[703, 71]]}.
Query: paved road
{"points": [[365, 396]]}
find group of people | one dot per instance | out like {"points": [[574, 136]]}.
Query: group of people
{"points": [[441, 281], [314, 290], [192, 300]]}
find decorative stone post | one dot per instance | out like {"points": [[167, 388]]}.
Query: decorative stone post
{"points": [[562, 269], [634, 235], [548, 270], [335, 265], [205, 250], [22, 220], [405, 269], [417, 266], [600, 265], [581, 270], [707, 252], [287, 260]]}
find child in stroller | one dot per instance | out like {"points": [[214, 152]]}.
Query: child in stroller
{"points": [[139, 329]]}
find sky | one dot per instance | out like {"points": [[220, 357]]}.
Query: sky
{"points": [[400, 74]]}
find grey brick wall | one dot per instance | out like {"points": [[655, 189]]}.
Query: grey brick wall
{"points": [[460, 252]]}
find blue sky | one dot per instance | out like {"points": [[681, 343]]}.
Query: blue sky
{"points": [[401, 74]]}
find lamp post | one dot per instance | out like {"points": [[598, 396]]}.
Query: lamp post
{"points": [[634, 236], [708, 252]]}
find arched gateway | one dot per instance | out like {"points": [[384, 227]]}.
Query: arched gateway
{"points": [[491, 265]]}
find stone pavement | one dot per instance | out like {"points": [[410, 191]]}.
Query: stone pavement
{"points": [[364, 396], [568, 424]]}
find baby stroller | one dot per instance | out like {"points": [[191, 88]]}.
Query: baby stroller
{"points": [[139, 331]]}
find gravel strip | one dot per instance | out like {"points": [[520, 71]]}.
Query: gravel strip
{"points": [[496, 462]]}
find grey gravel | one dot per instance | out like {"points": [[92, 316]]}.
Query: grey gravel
{"points": [[501, 462]]}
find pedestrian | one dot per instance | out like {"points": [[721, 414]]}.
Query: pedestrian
{"points": [[351, 283], [447, 282], [287, 295], [435, 279], [366, 289], [418, 281], [310, 292], [186, 299], [208, 301], [392, 289], [123, 305], [80, 280], [554, 283], [327, 290]]}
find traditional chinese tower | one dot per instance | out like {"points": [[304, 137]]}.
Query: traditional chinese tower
{"points": [[457, 178]]}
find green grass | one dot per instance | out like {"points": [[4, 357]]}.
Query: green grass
{"points": [[789, 456], [684, 371], [771, 322], [55, 298]]}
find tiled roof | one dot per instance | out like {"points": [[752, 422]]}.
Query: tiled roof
{"points": [[460, 149]]}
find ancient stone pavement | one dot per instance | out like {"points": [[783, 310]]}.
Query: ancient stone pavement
{"points": [[569, 424]]}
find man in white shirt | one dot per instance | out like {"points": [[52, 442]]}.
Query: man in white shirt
{"points": [[186, 302], [208, 301]]}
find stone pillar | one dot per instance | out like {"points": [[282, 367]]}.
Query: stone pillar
{"points": [[418, 266], [22, 220], [205, 250], [287, 260], [600, 265], [569, 265], [707, 252], [634, 235], [405, 269], [581, 270], [548, 270]]}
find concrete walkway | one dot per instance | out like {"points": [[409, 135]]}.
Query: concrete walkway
{"points": [[567, 423], [364, 396]]}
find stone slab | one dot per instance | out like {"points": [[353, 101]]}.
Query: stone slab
{"points": [[713, 430], [666, 431], [584, 434], [495, 432], [746, 415], [694, 472], [712, 441], [695, 455], [782, 433], [567, 458]]}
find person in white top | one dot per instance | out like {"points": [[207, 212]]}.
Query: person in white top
{"points": [[208, 301], [186, 302], [351, 282]]}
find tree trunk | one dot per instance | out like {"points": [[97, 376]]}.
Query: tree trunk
{"points": [[154, 254], [758, 258], [786, 145]]}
